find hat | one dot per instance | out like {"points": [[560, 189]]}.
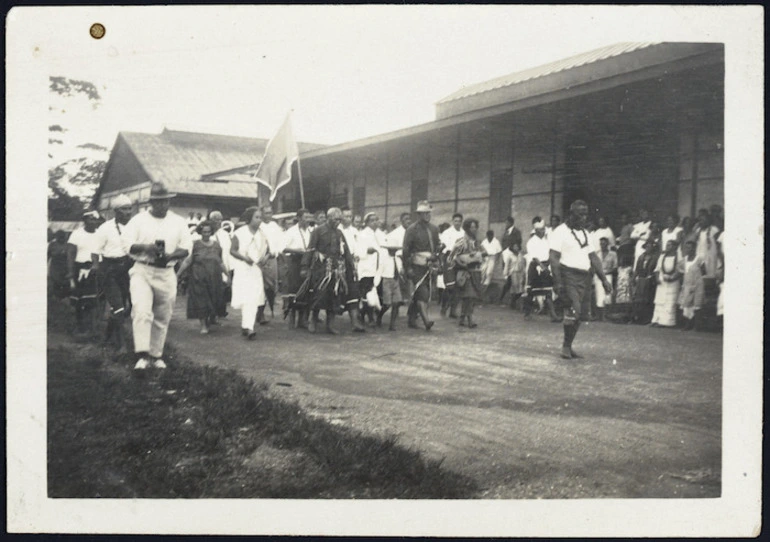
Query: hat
{"points": [[423, 206], [368, 215], [539, 224], [159, 191], [92, 214], [121, 201]]}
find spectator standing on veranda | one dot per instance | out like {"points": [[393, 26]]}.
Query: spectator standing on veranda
{"points": [[514, 271], [492, 249], [609, 266]]}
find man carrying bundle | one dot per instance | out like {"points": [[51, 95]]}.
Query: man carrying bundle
{"points": [[329, 271]]}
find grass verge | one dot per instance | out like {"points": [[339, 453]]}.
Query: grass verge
{"points": [[204, 432]]}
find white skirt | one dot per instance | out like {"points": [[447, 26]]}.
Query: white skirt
{"points": [[248, 287]]}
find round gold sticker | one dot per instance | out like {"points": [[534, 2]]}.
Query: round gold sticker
{"points": [[97, 31]]}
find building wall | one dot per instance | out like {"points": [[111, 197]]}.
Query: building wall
{"points": [[654, 144]]}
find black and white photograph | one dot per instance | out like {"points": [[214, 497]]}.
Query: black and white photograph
{"points": [[374, 270]]}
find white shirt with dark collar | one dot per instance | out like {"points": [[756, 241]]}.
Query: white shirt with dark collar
{"points": [[109, 240], [574, 245], [351, 237], [296, 238]]}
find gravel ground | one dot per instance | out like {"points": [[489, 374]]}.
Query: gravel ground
{"points": [[639, 416]]}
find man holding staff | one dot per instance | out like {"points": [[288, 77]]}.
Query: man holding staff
{"points": [[421, 244]]}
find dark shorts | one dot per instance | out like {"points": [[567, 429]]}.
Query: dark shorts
{"points": [[116, 281], [293, 278], [575, 291], [421, 290]]}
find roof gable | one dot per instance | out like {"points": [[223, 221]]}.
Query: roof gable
{"points": [[175, 158], [199, 163]]}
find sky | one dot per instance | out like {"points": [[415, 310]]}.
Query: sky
{"points": [[345, 72]]}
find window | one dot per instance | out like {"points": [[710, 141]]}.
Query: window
{"points": [[500, 193], [359, 200]]}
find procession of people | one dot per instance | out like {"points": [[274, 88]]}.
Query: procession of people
{"points": [[572, 271]]}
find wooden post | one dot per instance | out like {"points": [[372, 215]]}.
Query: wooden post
{"points": [[387, 183], [694, 180], [554, 152], [301, 187], [457, 170]]}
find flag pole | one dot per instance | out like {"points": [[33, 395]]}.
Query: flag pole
{"points": [[301, 189]]}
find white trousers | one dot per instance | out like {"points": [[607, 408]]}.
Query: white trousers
{"points": [[248, 293], [153, 293]]}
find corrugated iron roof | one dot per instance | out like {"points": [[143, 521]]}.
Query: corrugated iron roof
{"points": [[180, 160], [547, 69]]}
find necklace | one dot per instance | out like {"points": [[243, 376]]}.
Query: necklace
{"points": [[663, 266], [584, 242]]}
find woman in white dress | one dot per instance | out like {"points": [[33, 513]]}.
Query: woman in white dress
{"points": [[672, 232], [669, 275], [249, 250]]}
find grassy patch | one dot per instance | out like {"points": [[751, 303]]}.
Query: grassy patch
{"points": [[193, 431]]}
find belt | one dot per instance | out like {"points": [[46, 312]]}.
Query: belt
{"points": [[421, 258], [119, 259], [155, 266], [575, 270]]}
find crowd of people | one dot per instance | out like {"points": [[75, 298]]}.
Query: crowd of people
{"points": [[334, 262]]}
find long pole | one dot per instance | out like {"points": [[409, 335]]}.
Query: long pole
{"points": [[301, 188]]}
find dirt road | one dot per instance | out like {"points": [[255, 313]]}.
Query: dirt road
{"points": [[639, 416]]}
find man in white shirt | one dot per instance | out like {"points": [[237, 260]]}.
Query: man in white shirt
{"points": [[448, 239], [395, 288], [395, 243], [572, 258], [349, 231], [296, 241], [274, 235], [539, 277], [368, 262], [114, 266], [82, 277], [156, 240]]}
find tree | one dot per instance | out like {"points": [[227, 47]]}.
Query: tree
{"points": [[76, 167]]}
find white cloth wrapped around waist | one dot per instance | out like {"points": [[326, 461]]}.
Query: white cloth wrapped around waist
{"points": [[421, 258]]}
